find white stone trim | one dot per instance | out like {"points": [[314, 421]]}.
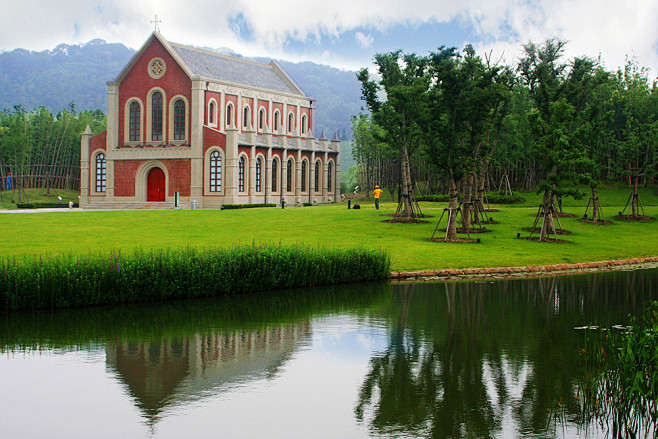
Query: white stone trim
{"points": [[206, 172], [215, 114], [126, 122], [162, 67], [186, 137], [141, 179], [149, 117], [245, 181], [92, 172]]}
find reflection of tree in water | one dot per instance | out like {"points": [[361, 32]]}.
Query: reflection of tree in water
{"points": [[478, 359], [425, 387]]}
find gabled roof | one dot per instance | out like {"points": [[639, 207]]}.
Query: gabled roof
{"points": [[222, 68]]}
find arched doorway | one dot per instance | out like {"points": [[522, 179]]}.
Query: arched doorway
{"points": [[156, 185]]}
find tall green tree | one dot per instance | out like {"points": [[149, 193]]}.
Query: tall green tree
{"points": [[636, 128], [552, 125], [396, 102], [376, 161], [466, 104]]}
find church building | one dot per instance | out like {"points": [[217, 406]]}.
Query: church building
{"points": [[200, 128]]}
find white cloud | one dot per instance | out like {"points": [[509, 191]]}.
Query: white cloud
{"points": [[364, 40], [608, 27]]}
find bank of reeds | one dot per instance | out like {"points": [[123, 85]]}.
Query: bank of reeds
{"points": [[620, 385], [103, 279]]}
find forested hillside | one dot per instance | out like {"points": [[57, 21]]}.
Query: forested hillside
{"points": [[79, 73]]}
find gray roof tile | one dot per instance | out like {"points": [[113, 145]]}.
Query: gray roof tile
{"points": [[226, 68]]}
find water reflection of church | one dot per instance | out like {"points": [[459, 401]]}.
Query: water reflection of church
{"points": [[165, 373]]}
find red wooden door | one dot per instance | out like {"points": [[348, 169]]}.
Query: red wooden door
{"points": [[155, 184]]}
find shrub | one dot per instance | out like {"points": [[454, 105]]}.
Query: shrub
{"points": [[246, 206], [44, 205], [96, 279], [620, 383], [492, 198]]}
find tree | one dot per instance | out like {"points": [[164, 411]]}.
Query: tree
{"points": [[376, 161], [466, 104], [404, 84], [552, 124], [636, 129]]}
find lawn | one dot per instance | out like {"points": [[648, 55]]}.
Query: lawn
{"points": [[80, 232]]}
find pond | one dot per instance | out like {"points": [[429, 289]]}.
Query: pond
{"points": [[458, 359]]}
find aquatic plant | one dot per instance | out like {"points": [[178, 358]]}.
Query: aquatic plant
{"points": [[620, 384], [99, 279]]}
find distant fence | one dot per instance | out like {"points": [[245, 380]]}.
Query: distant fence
{"points": [[41, 176]]}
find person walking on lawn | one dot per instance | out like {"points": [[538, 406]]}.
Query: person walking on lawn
{"points": [[377, 193]]}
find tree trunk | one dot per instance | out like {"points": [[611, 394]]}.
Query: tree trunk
{"points": [[482, 182], [468, 198], [406, 177], [595, 204], [634, 198], [453, 194], [547, 224]]}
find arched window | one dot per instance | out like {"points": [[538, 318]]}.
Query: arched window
{"points": [[276, 121], [261, 119], [179, 120], [215, 172], [289, 175], [245, 117], [241, 174], [290, 122], [329, 171], [211, 113], [259, 174], [134, 122], [303, 124], [229, 115], [303, 175], [318, 169], [156, 116], [101, 173], [275, 173]]}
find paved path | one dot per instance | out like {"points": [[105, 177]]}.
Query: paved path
{"points": [[60, 209]]}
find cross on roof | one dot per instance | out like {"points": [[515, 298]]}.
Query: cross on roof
{"points": [[155, 22]]}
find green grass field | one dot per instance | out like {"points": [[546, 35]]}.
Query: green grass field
{"points": [[80, 232]]}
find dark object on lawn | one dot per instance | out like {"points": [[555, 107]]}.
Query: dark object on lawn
{"points": [[356, 206]]}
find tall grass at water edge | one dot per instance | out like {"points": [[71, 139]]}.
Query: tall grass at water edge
{"points": [[101, 279], [619, 389]]}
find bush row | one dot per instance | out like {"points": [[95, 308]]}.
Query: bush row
{"points": [[43, 205], [246, 206], [492, 198], [81, 281]]}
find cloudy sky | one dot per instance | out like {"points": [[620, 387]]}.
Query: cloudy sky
{"points": [[345, 33]]}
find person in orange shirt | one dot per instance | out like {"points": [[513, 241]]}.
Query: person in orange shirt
{"points": [[377, 193]]}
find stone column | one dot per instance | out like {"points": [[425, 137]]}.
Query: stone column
{"points": [[84, 166], [252, 175], [311, 178], [196, 141], [325, 180], [283, 184], [336, 146], [231, 190], [221, 114], [267, 176], [112, 142]]}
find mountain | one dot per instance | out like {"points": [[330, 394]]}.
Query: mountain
{"points": [[79, 73]]}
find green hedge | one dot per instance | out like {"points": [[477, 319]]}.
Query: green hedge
{"points": [[43, 205], [492, 198], [80, 281], [247, 206]]}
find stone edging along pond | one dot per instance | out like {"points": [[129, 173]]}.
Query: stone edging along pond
{"points": [[529, 271]]}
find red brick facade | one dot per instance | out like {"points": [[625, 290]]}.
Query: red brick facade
{"points": [[183, 147]]}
